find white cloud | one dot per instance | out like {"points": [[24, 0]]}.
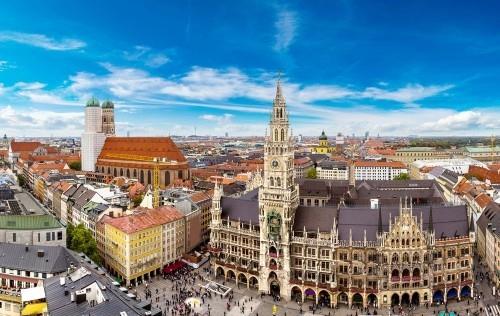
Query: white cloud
{"points": [[286, 27], [465, 120], [36, 122], [226, 118], [408, 94], [144, 55], [41, 40]]}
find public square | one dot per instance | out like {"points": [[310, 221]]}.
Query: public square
{"points": [[244, 301]]}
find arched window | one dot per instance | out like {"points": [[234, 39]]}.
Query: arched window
{"points": [[167, 178], [276, 135], [278, 182], [121, 172], [282, 135], [271, 181]]}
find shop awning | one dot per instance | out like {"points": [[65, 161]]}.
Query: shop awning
{"points": [[34, 309]]}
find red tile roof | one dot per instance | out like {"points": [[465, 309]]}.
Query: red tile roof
{"points": [[152, 147], [24, 146], [144, 218]]}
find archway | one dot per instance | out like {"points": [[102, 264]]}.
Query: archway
{"points": [[357, 299], [324, 298], [452, 294], [405, 299], [465, 291], [416, 273], [141, 176], [415, 299], [230, 275], [372, 299], [274, 288], [167, 178], [219, 272], [342, 298], [438, 296], [406, 273], [309, 294], [296, 294], [242, 279], [149, 177], [395, 275], [272, 252], [394, 299], [253, 282]]}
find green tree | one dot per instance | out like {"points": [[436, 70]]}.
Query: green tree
{"points": [[311, 173], [402, 176], [76, 165], [80, 239], [137, 200], [21, 180]]}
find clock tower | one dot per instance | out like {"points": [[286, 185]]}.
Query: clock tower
{"points": [[278, 200]]}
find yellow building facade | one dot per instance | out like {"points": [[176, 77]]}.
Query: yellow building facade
{"points": [[324, 146], [134, 245]]}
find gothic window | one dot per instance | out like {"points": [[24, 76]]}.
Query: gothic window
{"points": [[406, 258], [167, 178], [282, 135], [271, 181], [278, 182], [276, 135], [416, 257], [395, 258]]}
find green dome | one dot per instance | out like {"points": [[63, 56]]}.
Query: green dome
{"points": [[108, 105], [323, 136], [93, 102]]}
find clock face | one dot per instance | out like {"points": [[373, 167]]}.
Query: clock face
{"points": [[274, 164]]}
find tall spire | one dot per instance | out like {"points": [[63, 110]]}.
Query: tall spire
{"points": [[431, 224], [380, 229]]}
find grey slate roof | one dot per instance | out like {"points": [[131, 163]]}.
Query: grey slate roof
{"points": [[491, 214], [60, 304], [245, 208], [56, 259], [313, 218], [448, 221]]}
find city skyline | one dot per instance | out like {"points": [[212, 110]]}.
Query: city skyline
{"points": [[348, 67]]}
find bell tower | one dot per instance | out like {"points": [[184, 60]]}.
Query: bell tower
{"points": [[278, 200]]}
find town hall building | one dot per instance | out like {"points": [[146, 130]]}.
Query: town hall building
{"points": [[394, 253]]}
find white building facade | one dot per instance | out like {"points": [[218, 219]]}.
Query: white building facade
{"points": [[93, 138]]}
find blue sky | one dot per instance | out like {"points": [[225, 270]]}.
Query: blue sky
{"points": [[388, 67]]}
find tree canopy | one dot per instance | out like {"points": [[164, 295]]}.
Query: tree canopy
{"points": [[80, 239], [312, 174], [402, 176]]}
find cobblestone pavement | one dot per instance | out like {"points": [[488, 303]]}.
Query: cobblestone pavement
{"points": [[248, 302]]}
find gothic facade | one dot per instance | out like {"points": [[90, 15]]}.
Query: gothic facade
{"points": [[335, 254]]}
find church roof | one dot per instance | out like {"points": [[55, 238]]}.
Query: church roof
{"points": [[93, 102], [108, 104], [153, 147], [323, 136]]}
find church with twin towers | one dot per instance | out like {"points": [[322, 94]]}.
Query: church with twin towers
{"points": [[336, 249]]}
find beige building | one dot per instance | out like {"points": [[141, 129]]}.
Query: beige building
{"points": [[408, 155], [488, 241], [333, 254]]}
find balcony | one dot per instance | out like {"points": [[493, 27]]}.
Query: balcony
{"points": [[406, 278], [273, 266], [415, 278], [273, 255], [395, 279]]}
